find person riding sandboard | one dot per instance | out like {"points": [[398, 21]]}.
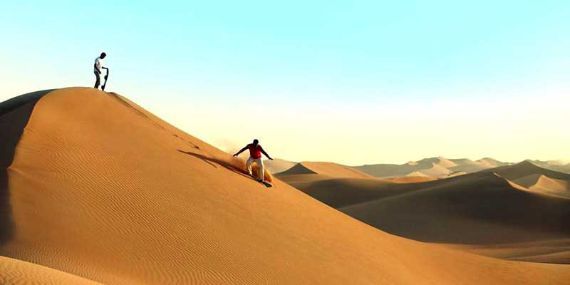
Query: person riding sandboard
{"points": [[98, 70], [255, 151]]}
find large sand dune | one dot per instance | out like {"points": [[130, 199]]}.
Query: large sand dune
{"points": [[480, 208], [99, 188]]}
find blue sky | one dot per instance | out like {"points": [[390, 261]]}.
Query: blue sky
{"points": [[281, 67]]}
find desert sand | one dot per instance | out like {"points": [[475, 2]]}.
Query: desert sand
{"points": [[485, 212], [94, 187], [328, 169], [434, 167], [480, 208], [543, 184], [13, 271], [278, 165]]}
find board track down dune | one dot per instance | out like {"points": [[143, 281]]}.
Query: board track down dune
{"points": [[98, 189]]}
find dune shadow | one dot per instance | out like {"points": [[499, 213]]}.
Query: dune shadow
{"points": [[14, 116]]}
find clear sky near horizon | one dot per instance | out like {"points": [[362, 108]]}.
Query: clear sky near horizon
{"points": [[353, 82]]}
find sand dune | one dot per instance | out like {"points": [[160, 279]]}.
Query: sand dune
{"points": [[555, 165], [343, 192], [13, 271], [551, 186], [99, 188], [547, 251], [436, 171], [488, 162], [278, 165], [526, 168], [411, 178], [444, 162], [328, 169], [543, 184], [434, 167], [481, 208]]}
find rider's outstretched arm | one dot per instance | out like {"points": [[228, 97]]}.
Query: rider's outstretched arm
{"points": [[268, 156]]}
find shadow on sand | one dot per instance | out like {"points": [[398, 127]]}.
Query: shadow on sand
{"points": [[14, 116]]}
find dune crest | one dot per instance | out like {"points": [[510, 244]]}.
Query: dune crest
{"points": [[434, 167], [329, 169], [542, 184]]}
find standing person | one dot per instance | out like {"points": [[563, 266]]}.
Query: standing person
{"points": [[98, 69], [255, 151]]}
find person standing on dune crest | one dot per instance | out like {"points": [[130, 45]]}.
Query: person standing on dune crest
{"points": [[98, 69], [255, 151]]}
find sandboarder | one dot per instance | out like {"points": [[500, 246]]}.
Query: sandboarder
{"points": [[98, 70], [255, 151]]}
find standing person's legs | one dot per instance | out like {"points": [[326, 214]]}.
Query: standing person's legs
{"points": [[261, 170], [248, 165], [97, 80]]}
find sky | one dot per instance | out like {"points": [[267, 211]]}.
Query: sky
{"points": [[354, 82]]}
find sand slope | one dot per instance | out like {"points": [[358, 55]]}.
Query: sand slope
{"points": [[278, 165], [101, 189], [547, 251], [13, 271], [481, 208], [526, 168], [543, 184], [328, 169], [553, 165]]}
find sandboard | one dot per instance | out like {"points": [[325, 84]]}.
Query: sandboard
{"points": [[106, 79], [264, 183]]}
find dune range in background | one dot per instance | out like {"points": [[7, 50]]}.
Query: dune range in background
{"points": [[98, 189], [518, 212], [429, 168], [434, 167]]}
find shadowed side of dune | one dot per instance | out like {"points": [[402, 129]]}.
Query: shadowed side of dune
{"points": [[14, 115], [475, 209], [343, 192]]}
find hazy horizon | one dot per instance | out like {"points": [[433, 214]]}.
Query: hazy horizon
{"points": [[553, 161], [354, 82]]}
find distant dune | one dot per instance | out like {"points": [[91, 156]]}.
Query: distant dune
{"points": [[411, 178], [545, 251], [481, 208], [543, 184], [435, 167], [553, 165], [328, 169], [486, 208], [95, 186], [278, 165]]}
